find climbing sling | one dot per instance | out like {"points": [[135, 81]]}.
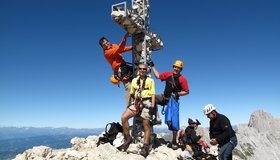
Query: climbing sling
{"points": [[138, 98], [125, 72]]}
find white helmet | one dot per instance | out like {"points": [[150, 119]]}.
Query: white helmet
{"points": [[208, 109]]}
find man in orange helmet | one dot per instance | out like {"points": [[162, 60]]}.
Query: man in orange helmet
{"points": [[113, 54], [176, 85]]}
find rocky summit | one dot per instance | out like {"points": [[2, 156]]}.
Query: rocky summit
{"points": [[260, 138], [257, 140]]}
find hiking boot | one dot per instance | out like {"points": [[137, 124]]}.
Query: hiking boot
{"points": [[157, 121], [126, 144], [174, 146], [144, 150]]}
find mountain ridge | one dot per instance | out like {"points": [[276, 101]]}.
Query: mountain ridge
{"points": [[257, 140]]}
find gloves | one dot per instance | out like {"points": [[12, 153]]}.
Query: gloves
{"points": [[175, 95], [127, 35], [151, 63]]}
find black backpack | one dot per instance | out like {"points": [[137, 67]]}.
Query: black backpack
{"points": [[111, 132]]}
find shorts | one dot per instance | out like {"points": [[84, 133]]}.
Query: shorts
{"points": [[161, 100], [145, 109]]}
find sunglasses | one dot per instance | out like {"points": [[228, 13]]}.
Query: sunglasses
{"points": [[142, 69]]}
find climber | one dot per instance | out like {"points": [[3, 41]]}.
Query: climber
{"points": [[176, 85], [220, 132], [121, 70], [190, 137], [142, 102]]}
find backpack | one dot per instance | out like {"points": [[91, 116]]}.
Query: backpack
{"points": [[125, 73], [111, 132]]}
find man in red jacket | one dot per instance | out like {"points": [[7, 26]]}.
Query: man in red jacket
{"points": [[113, 54]]}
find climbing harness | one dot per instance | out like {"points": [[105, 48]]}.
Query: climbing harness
{"points": [[138, 98]]}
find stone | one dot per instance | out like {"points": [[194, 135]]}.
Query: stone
{"points": [[257, 140]]}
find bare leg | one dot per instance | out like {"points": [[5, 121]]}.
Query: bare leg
{"points": [[147, 131], [174, 141], [127, 86], [156, 113], [157, 119], [174, 138], [125, 117]]}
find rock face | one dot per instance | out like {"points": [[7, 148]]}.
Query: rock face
{"points": [[258, 140], [86, 149], [263, 121]]}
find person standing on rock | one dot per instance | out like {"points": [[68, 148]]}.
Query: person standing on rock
{"points": [[176, 85], [142, 102], [220, 132], [121, 71]]}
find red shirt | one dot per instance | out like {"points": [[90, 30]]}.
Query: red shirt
{"points": [[181, 83]]}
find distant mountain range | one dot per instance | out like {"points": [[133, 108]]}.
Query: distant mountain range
{"points": [[24, 132], [15, 140]]}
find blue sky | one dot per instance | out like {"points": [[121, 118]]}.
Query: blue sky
{"points": [[53, 73]]}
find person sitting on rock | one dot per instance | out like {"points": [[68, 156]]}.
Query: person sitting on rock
{"points": [[191, 138], [142, 101]]}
